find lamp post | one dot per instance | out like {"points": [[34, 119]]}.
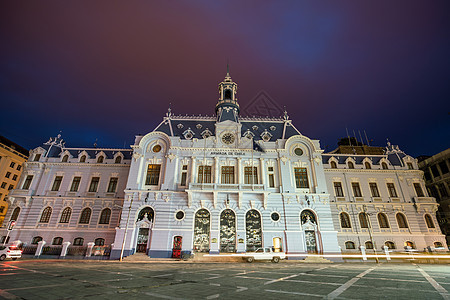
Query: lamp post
{"points": [[126, 230]]}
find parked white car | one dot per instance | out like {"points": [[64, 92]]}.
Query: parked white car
{"points": [[264, 254], [10, 252]]}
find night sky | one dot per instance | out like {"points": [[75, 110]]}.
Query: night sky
{"points": [[107, 70]]}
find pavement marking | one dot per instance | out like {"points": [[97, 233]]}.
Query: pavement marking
{"points": [[35, 287], [160, 296], [294, 293], [280, 279], [162, 275], [215, 276], [215, 284], [348, 284], [444, 293], [241, 288], [6, 295], [213, 296]]}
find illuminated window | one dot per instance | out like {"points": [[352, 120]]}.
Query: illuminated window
{"points": [[301, 178], [367, 165], [153, 174]]}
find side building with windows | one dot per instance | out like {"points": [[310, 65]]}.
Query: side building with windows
{"points": [[379, 199], [225, 184], [69, 195]]}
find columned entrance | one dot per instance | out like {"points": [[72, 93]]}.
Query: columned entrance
{"points": [[144, 225], [253, 230], [202, 230], [227, 231]]}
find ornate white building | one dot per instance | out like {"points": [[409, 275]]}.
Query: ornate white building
{"points": [[220, 184]]}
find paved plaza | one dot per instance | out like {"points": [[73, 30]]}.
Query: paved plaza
{"points": [[52, 279]]}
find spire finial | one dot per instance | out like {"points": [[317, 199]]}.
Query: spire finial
{"points": [[228, 69]]}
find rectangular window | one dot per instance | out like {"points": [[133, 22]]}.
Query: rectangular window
{"points": [[443, 166], [183, 175], [410, 166], [14, 177], [374, 189], [250, 175], [94, 184], [301, 178], [112, 186], [271, 180], [442, 190], [153, 175], [391, 190], [12, 164], [19, 167], [3, 185], [435, 171], [418, 189], [27, 182], [356, 189], [11, 186], [75, 184], [338, 191], [204, 174], [57, 183], [2, 208], [37, 157], [227, 174], [8, 174]]}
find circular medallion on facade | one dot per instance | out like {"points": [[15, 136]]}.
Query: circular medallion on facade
{"points": [[228, 138], [275, 216], [298, 151], [179, 215], [156, 148]]}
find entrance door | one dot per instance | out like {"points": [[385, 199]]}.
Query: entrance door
{"points": [[142, 240], [310, 238], [176, 250], [227, 231], [201, 231]]}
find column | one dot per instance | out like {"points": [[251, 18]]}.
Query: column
{"points": [[193, 169], [239, 171], [262, 172], [38, 252], [216, 169], [64, 249]]}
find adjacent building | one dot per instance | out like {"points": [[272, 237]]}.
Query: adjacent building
{"points": [[12, 157], [223, 184]]}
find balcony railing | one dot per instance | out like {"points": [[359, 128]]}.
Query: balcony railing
{"points": [[226, 187], [424, 199]]}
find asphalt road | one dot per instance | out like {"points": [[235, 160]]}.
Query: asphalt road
{"points": [[45, 279]]}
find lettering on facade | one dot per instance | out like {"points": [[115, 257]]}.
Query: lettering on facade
{"points": [[231, 153]]}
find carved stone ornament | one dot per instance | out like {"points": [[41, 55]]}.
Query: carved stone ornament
{"points": [[284, 159], [136, 155], [171, 156]]}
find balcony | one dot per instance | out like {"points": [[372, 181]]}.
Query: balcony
{"points": [[424, 200], [18, 193], [226, 187]]}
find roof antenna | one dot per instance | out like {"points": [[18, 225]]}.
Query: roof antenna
{"points": [[348, 136], [95, 143], [362, 142], [228, 68], [368, 144]]}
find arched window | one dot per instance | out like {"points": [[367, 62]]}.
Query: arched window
{"points": [[46, 214], [100, 159], [253, 230], [146, 212], [401, 220], [85, 216], [429, 221], [99, 242], [345, 220], [118, 159], [384, 166], [227, 95], [65, 158], [351, 165], [83, 158], [438, 245], [367, 165], [15, 214], [57, 241], [202, 226], [105, 216], [363, 220], [390, 245], [227, 231], [65, 216], [36, 240], [410, 244], [383, 220], [78, 241], [349, 245], [333, 165], [368, 245]]}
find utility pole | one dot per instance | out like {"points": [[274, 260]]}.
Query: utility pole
{"points": [[370, 233], [126, 230]]}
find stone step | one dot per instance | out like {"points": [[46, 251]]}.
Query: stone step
{"points": [[137, 257], [316, 259]]}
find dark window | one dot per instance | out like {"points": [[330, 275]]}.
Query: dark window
{"points": [[429, 221], [275, 216], [57, 183], [374, 189], [100, 159], [57, 241], [78, 241], [384, 166], [112, 186], [444, 167], [3, 185], [363, 220], [83, 158], [94, 184], [153, 175], [442, 189], [65, 158], [14, 177], [435, 171], [368, 245], [349, 245], [418, 189], [345, 220], [339, 192], [301, 178], [12, 164], [367, 165], [391, 190], [227, 174], [351, 165], [438, 245], [75, 184], [8, 174], [356, 189], [390, 245], [401, 220], [46, 214], [19, 167], [36, 240], [250, 175], [65, 216], [227, 95], [85, 216], [179, 215], [118, 159], [183, 178], [105, 216], [10, 187], [99, 242], [37, 157], [433, 192], [333, 165], [2, 208], [15, 214], [383, 221], [427, 175], [271, 180], [410, 166], [204, 174]]}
